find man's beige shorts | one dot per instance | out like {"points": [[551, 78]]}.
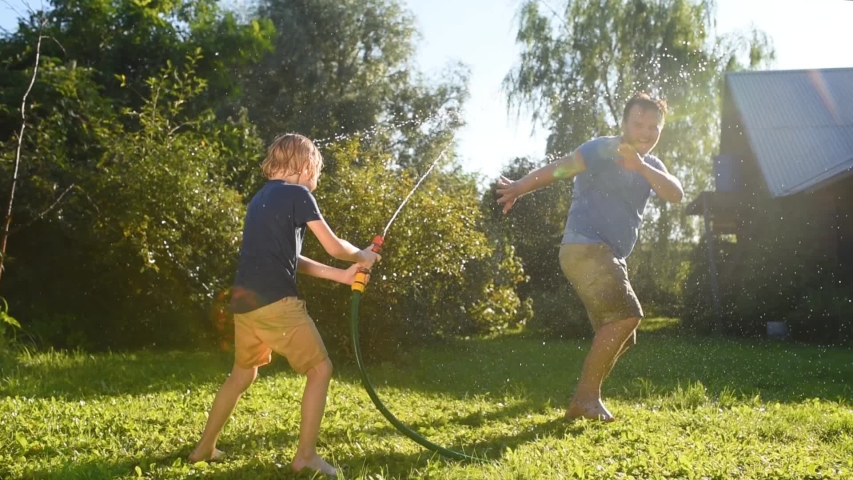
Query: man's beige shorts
{"points": [[601, 281], [283, 327]]}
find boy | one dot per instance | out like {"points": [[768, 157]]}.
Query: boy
{"points": [[613, 179], [268, 315]]}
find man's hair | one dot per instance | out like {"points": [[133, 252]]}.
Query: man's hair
{"points": [[292, 153], [645, 102]]}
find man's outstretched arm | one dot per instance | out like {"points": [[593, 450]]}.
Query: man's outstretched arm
{"points": [[566, 167]]}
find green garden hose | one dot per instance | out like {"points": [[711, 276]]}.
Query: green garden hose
{"points": [[357, 289]]}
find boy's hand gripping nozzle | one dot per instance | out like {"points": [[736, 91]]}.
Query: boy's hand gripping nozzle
{"points": [[361, 277]]}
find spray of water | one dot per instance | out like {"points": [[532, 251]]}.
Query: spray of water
{"points": [[385, 126], [434, 163], [375, 129]]}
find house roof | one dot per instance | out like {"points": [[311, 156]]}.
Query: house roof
{"points": [[799, 124]]}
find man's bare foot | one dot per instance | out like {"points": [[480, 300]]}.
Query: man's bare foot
{"points": [[205, 455], [314, 463], [593, 409]]}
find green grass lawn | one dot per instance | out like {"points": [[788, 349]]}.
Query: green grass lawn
{"points": [[686, 408]]}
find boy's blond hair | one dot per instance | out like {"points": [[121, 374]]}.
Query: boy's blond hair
{"points": [[292, 153]]}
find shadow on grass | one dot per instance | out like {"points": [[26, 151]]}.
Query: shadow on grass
{"points": [[546, 371], [542, 371], [107, 468], [486, 450], [495, 447], [390, 464], [400, 465], [80, 376], [474, 419]]}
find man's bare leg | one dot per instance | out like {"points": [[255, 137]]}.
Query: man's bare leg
{"points": [[607, 345], [629, 342]]}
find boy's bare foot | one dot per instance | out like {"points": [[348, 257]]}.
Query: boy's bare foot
{"points": [[593, 409], [314, 463], [205, 455]]}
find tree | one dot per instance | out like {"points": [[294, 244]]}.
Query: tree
{"points": [[342, 67], [534, 228], [143, 249], [106, 119], [137, 255], [126, 42], [333, 66]]}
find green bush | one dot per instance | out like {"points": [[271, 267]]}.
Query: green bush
{"points": [[559, 314], [697, 307], [136, 253], [440, 274], [9, 328], [823, 315], [658, 274]]}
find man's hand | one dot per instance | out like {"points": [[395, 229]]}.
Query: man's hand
{"points": [[508, 193], [665, 185], [630, 159], [367, 257]]}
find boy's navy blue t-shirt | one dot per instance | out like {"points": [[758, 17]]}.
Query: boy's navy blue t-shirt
{"points": [[272, 241]]}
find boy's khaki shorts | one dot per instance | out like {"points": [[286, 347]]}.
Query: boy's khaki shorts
{"points": [[283, 327], [601, 281]]}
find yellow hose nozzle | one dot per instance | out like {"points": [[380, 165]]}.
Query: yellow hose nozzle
{"points": [[361, 278]]}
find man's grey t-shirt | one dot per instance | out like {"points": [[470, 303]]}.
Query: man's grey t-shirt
{"points": [[608, 201], [273, 231]]}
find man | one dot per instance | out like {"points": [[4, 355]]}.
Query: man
{"points": [[613, 179]]}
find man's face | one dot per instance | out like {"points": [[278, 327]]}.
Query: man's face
{"points": [[642, 129]]}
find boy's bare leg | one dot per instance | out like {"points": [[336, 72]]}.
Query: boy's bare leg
{"points": [[606, 346], [313, 406], [224, 403]]}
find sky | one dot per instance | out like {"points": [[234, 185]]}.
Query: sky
{"points": [[481, 35]]}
